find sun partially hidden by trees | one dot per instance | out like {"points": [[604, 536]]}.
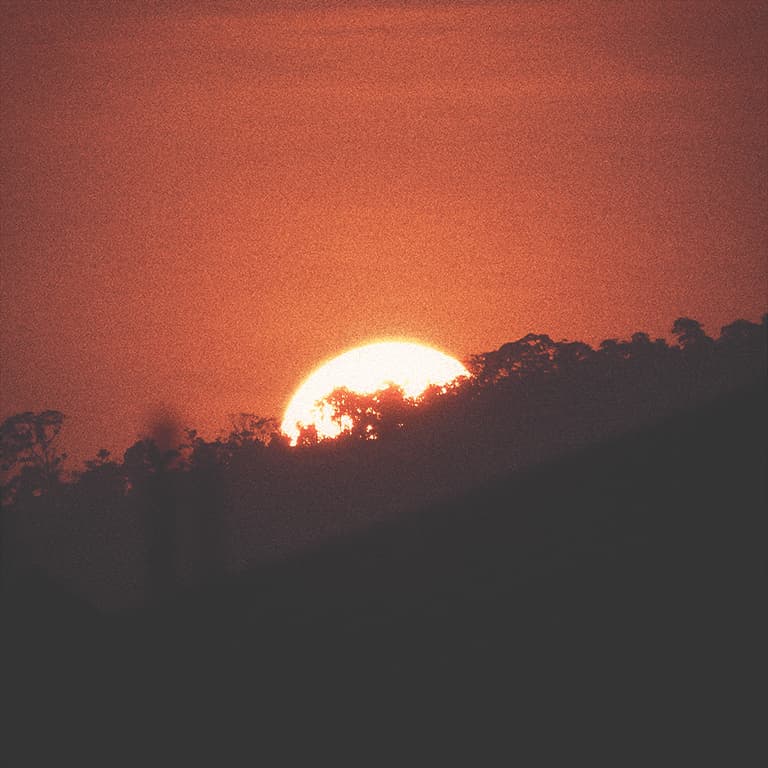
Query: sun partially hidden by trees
{"points": [[182, 512]]}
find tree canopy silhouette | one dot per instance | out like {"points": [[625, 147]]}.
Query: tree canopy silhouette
{"points": [[29, 455], [204, 502]]}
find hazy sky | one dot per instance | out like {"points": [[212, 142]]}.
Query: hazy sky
{"points": [[202, 201]]}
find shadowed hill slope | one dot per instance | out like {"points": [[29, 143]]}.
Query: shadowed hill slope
{"points": [[609, 606]]}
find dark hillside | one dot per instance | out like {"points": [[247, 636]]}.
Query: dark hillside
{"points": [[605, 609]]}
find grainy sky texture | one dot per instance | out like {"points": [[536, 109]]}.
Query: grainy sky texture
{"points": [[202, 201]]}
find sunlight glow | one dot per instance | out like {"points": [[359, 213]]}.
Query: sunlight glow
{"points": [[364, 370]]}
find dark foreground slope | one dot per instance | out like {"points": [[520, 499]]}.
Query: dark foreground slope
{"points": [[608, 609]]}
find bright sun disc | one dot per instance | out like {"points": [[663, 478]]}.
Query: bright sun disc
{"points": [[412, 367]]}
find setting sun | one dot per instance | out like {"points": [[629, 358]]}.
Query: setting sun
{"points": [[410, 366]]}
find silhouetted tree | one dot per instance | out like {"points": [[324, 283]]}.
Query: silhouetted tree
{"points": [[743, 335], [532, 354], [102, 458], [148, 471], [572, 354], [743, 347], [201, 454], [370, 416], [690, 334], [29, 457], [103, 478], [141, 461], [205, 463], [614, 350], [308, 435], [248, 429]]}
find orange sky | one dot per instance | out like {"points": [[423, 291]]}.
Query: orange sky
{"points": [[201, 201]]}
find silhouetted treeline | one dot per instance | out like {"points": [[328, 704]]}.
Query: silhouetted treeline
{"points": [[135, 529], [605, 608]]}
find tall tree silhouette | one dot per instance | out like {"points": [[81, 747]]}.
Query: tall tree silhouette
{"points": [[29, 457], [148, 470]]}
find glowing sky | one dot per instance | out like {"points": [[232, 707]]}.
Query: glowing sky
{"points": [[202, 201]]}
